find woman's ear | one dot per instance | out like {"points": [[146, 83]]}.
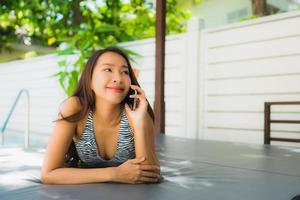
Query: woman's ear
{"points": [[136, 72]]}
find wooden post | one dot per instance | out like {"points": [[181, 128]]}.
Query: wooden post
{"points": [[259, 8], [159, 103]]}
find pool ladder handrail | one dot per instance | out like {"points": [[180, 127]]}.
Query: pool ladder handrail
{"points": [[26, 139]]}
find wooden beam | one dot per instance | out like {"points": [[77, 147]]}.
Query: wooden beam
{"points": [[159, 102]]}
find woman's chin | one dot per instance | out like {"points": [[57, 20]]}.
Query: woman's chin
{"points": [[115, 101]]}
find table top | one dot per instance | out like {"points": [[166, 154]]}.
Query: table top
{"points": [[192, 169]]}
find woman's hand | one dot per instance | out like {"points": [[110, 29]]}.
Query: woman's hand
{"points": [[132, 171], [138, 115]]}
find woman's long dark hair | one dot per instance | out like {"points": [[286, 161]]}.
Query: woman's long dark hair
{"points": [[86, 97]]}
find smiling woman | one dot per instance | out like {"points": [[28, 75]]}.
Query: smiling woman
{"points": [[97, 137]]}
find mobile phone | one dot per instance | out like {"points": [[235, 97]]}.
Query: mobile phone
{"points": [[132, 101]]}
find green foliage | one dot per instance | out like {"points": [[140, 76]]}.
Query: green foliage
{"points": [[197, 1], [82, 26], [248, 18]]}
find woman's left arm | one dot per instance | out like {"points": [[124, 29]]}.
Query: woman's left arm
{"points": [[144, 138], [143, 128]]}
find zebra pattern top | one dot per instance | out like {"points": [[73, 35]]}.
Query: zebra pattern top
{"points": [[88, 151]]}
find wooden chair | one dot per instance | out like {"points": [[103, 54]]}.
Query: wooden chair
{"points": [[268, 121]]}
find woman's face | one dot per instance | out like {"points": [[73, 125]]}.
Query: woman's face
{"points": [[110, 79]]}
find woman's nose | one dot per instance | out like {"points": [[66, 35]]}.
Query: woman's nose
{"points": [[117, 78]]}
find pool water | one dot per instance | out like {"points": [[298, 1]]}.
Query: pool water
{"points": [[16, 139]]}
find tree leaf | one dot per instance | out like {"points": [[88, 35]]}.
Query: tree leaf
{"points": [[66, 51]]}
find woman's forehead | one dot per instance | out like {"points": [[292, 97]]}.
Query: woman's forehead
{"points": [[112, 59]]}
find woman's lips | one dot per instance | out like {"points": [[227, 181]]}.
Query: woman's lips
{"points": [[116, 89]]}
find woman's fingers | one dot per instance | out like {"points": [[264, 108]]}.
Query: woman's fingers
{"points": [[133, 171], [139, 97], [148, 180], [150, 174], [137, 160], [140, 91], [153, 168]]}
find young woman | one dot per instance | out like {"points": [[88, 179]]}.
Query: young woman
{"points": [[98, 137]]}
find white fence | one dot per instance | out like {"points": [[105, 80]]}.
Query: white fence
{"points": [[245, 65], [216, 80]]}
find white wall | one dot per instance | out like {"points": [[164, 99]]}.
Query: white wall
{"points": [[245, 65], [214, 12]]}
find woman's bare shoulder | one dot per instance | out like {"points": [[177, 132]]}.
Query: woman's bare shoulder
{"points": [[70, 106]]}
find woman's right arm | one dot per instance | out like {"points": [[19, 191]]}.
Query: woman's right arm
{"points": [[54, 172]]}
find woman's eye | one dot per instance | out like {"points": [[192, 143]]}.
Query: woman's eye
{"points": [[107, 70], [126, 72]]}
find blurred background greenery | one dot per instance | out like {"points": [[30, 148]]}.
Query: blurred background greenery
{"points": [[78, 27], [37, 27]]}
